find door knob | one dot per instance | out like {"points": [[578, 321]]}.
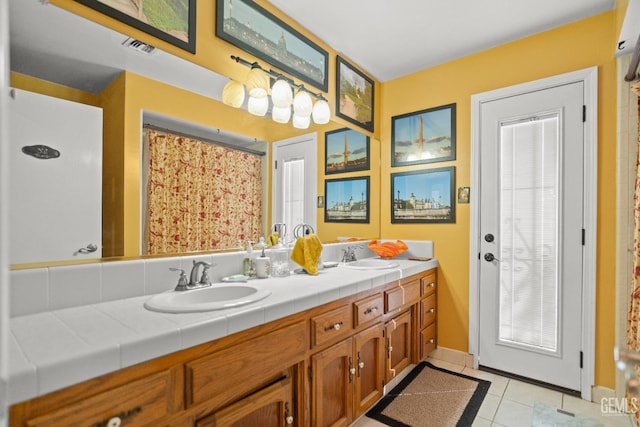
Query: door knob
{"points": [[489, 257]]}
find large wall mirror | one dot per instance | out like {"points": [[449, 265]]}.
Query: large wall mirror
{"points": [[133, 89]]}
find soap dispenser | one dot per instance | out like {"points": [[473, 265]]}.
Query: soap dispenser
{"points": [[248, 267], [263, 263]]}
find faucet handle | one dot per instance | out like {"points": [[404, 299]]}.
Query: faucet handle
{"points": [[182, 280], [204, 279]]}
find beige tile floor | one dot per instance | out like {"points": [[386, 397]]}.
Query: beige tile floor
{"points": [[509, 403]]}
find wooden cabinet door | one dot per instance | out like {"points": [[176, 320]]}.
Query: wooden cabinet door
{"points": [[399, 344], [332, 377], [270, 406], [369, 356]]}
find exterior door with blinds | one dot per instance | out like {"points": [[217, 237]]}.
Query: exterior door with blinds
{"points": [[531, 234]]}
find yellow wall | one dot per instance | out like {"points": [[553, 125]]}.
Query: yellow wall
{"points": [[584, 44]]}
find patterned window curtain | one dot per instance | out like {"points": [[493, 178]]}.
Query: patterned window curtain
{"points": [[200, 196], [633, 332]]}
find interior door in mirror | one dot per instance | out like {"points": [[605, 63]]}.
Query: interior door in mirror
{"points": [[55, 179]]}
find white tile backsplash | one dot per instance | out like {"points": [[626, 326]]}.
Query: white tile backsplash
{"points": [[122, 279], [29, 291], [44, 289], [158, 277], [70, 286]]}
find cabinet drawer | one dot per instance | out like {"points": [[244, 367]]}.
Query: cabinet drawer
{"points": [[224, 376], [270, 406], [427, 310], [368, 309], [429, 283], [402, 296], [137, 403], [427, 340], [331, 325]]}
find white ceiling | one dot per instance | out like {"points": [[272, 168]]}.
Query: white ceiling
{"points": [[392, 38], [386, 38]]}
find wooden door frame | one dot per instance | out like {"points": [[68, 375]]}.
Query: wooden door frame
{"points": [[589, 77]]}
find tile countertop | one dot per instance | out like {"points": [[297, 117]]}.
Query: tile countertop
{"points": [[55, 349]]}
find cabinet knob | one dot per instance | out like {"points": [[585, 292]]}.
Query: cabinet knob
{"points": [[352, 371], [431, 285], [361, 365], [430, 341], [289, 420], [335, 327], [371, 310], [114, 422], [431, 310]]}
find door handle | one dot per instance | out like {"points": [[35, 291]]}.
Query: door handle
{"points": [[489, 257], [91, 247]]}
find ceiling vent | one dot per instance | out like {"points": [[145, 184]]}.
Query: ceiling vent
{"points": [[139, 46]]}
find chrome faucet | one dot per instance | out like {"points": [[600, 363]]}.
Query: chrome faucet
{"points": [[194, 283], [349, 254], [204, 279]]}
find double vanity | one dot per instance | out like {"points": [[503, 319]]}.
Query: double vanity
{"points": [[296, 350]]}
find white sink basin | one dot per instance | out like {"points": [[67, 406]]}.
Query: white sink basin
{"points": [[370, 264], [216, 297]]}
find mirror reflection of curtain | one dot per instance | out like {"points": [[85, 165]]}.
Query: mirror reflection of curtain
{"points": [[633, 327], [200, 196]]}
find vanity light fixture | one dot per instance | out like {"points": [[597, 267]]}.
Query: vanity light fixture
{"points": [[282, 99]]}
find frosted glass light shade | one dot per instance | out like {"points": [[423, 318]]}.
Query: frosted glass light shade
{"points": [[281, 94], [302, 104], [281, 114], [321, 112], [257, 83], [258, 106], [233, 94], [301, 122]]}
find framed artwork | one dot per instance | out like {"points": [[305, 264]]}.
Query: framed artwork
{"points": [[425, 136], [345, 151], [245, 24], [173, 21], [354, 95], [423, 196], [346, 200]]}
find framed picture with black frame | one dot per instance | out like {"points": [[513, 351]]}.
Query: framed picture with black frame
{"points": [[346, 150], [346, 200], [354, 95], [423, 196], [425, 136], [171, 21], [247, 25]]}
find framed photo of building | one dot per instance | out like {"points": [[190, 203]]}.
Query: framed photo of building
{"points": [[423, 196], [354, 95], [345, 151], [172, 21], [249, 26], [346, 200], [425, 136]]}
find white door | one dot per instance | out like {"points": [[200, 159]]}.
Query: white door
{"points": [[295, 171], [531, 234], [55, 179]]}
